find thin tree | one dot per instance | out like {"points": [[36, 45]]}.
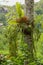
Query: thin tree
{"points": [[29, 8]]}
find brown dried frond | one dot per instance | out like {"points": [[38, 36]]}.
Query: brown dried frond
{"points": [[22, 20]]}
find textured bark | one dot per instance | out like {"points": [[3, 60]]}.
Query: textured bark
{"points": [[29, 4], [29, 37]]}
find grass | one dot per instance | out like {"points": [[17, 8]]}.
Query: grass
{"points": [[4, 51]]}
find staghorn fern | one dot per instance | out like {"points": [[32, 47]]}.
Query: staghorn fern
{"points": [[19, 10]]}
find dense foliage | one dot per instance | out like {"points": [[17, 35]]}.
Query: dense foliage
{"points": [[11, 37]]}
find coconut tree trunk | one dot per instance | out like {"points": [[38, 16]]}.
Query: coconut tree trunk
{"points": [[28, 38]]}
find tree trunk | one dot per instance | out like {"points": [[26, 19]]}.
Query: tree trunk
{"points": [[29, 37]]}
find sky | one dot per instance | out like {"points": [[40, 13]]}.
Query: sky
{"points": [[12, 2]]}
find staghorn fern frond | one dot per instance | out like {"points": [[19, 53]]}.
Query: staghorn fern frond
{"points": [[19, 10]]}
